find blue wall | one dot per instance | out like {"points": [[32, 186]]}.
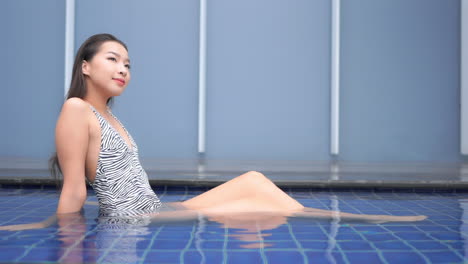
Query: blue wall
{"points": [[160, 104], [268, 71], [268, 80], [400, 80], [32, 45]]}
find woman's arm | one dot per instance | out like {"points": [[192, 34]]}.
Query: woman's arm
{"points": [[71, 139], [46, 223]]}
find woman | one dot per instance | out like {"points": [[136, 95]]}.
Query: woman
{"points": [[92, 145]]}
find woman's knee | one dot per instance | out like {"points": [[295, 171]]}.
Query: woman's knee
{"points": [[255, 177]]}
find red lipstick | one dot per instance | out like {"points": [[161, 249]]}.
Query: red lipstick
{"points": [[120, 81]]}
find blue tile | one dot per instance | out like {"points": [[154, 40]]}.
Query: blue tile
{"points": [[448, 222], [402, 228], [457, 245], [211, 257], [446, 235], [37, 254], [18, 242], [280, 236], [349, 236], [282, 257], [283, 244], [379, 237], [168, 234], [314, 245], [162, 257], [403, 257], [443, 257], [169, 244], [190, 257], [391, 245], [311, 236], [370, 229], [356, 245], [304, 228], [244, 257], [425, 245], [130, 257], [207, 244], [212, 236], [141, 244], [413, 236], [438, 238], [11, 253], [429, 228], [177, 228], [363, 257], [323, 257]]}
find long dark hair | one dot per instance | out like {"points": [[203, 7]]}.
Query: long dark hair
{"points": [[78, 88]]}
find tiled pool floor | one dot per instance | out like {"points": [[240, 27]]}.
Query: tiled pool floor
{"points": [[442, 238]]}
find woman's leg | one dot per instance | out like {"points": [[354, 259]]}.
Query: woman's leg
{"points": [[251, 186], [253, 192], [260, 207], [308, 212]]}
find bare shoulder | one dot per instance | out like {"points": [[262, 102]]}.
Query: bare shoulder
{"points": [[76, 109], [75, 104], [75, 113]]}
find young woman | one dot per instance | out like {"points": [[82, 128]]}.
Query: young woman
{"points": [[92, 145]]}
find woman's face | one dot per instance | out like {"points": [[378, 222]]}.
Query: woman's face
{"points": [[108, 72]]}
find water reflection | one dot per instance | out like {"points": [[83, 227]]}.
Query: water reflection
{"points": [[118, 240], [71, 232], [104, 241], [121, 240], [249, 227], [464, 225], [80, 238]]}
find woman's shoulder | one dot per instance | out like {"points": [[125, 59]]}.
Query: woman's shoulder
{"points": [[75, 108], [76, 104]]}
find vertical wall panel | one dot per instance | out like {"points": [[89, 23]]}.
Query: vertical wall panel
{"points": [[268, 80], [32, 40], [160, 104], [335, 78], [400, 80], [464, 78]]}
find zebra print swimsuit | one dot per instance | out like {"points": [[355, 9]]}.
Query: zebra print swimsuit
{"points": [[121, 185]]}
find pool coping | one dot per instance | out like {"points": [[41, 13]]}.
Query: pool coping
{"points": [[342, 175], [335, 184]]}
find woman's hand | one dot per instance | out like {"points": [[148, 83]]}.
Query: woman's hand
{"points": [[23, 226], [46, 223]]}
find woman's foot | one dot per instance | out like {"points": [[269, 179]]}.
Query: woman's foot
{"points": [[378, 219]]}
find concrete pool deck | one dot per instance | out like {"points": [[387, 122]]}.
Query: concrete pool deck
{"points": [[283, 173]]}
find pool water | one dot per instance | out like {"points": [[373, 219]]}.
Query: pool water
{"points": [[442, 238]]}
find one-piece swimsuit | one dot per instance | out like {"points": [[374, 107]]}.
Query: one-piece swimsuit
{"points": [[121, 184]]}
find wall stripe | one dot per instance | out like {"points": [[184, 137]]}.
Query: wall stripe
{"points": [[69, 41], [335, 80], [202, 79], [464, 78]]}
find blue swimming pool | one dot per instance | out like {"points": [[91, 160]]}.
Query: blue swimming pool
{"points": [[442, 238]]}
